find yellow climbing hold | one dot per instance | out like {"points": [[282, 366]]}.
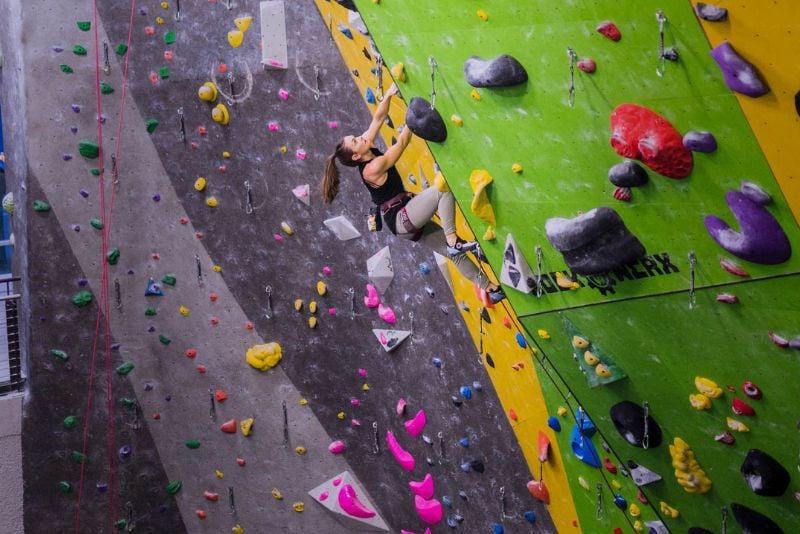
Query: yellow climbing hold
{"points": [[590, 358], [264, 356], [455, 119], [212, 202], [312, 306], [543, 334], [207, 92], [479, 180], [399, 72], [699, 401], [340, 415], [237, 530], [566, 282], [219, 473], [184, 311], [638, 526], [688, 472], [298, 507], [440, 183], [235, 38], [298, 304], [300, 450], [220, 114], [243, 23], [247, 426], [735, 425], [707, 387], [365, 387], [475, 94], [276, 494], [580, 343], [200, 184], [322, 288], [561, 411], [159, 20], [482, 15], [516, 168], [303, 402], [284, 150], [634, 511], [312, 322], [668, 510], [617, 486], [583, 483], [217, 269], [286, 227], [489, 234], [226, 155], [164, 5], [602, 370]]}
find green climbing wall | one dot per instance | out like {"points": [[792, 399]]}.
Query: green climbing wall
{"points": [[643, 321]]}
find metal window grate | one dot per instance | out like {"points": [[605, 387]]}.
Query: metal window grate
{"points": [[11, 379]]}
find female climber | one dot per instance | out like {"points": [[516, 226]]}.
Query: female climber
{"points": [[407, 215]]}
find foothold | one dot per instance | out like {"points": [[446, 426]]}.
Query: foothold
{"points": [[192, 444], [538, 489], [105, 88], [424, 121], [530, 516], [424, 489], [369, 96], [623, 194], [587, 65], [164, 339], [151, 125], [66, 69], [700, 142], [220, 114], [174, 487], [82, 299], [751, 390], [707, 387], [70, 421], [208, 92], [740, 76], [235, 38], [755, 193], [429, 510], [733, 268], [668, 511], [710, 12], [416, 425], [778, 339], [466, 392], [687, 471], [457, 120], [61, 355], [554, 423], [212, 202], [404, 458], [387, 314], [88, 149], [424, 268], [501, 71], [482, 15], [399, 72], [629, 420], [700, 401], [727, 298], [41, 206], [283, 94], [84, 25], [497, 528], [121, 49], [112, 256], [740, 407], [764, 475], [609, 30], [627, 174], [264, 356], [336, 447]]}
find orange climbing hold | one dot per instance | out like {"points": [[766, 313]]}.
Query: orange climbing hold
{"points": [[220, 395], [191, 353], [229, 427]]}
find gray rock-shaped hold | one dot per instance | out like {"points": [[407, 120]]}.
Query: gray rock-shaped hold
{"points": [[700, 141], [740, 76], [594, 243], [627, 174], [753, 522], [424, 121], [502, 71], [710, 12], [764, 474]]}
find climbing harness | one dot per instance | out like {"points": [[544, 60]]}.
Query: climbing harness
{"points": [[379, 73], [539, 259], [285, 425], [662, 58], [248, 198], [573, 58], [268, 311], [692, 266], [182, 125], [432, 63], [106, 62]]}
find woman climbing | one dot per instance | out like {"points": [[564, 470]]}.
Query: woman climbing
{"points": [[407, 215]]}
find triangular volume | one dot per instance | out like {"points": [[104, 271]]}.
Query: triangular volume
{"points": [[441, 262], [303, 194], [597, 366], [641, 475], [345, 497], [423, 180], [516, 272], [390, 339], [342, 227], [380, 270], [273, 35]]}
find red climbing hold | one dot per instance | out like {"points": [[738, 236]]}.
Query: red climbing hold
{"points": [[623, 193], [191, 353], [202, 130], [229, 427], [740, 407], [506, 322], [156, 416], [184, 220], [751, 390], [223, 169], [240, 461], [512, 414], [587, 65], [199, 235], [609, 465], [539, 490], [201, 369], [249, 325], [213, 297], [201, 514], [220, 395], [617, 530], [211, 496], [639, 133], [642, 497], [544, 447], [609, 30]]}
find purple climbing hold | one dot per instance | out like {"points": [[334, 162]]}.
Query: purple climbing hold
{"points": [[148, 386], [125, 451], [82, 282], [115, 346], [143, 11], [761, 238], [464, 442], [700, 141], [710, 12], [58, 49], [627, 174], [156, 198], [740, 76], [66, 157], [755, 193], [84, 193], [76, 108], [76, 227], [102, 487], [73, 129]]}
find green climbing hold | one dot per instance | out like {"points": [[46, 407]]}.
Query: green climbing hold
{"points": [[121, 524], [174, 487], [128, 403], [65, 486], [60, 354], [113, 256], [164, 339], [70, 421], [151, 125], [82, 299], [121, 49], [106, 88], [192, 444], [150, 312], [97, 224], [95, 171], [66, 69], [84, 25], [169, 37], [125, 368], [88, 149], [78, 50], [41, 206], [79, 457], [163, 72], [169, 280]]}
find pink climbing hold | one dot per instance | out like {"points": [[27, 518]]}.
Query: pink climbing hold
{"points": [[301, 154], [587, 65], [336, 481], [430, 511], [401, 407], [278, 237], [417, 424], [283, 94], [386, 313], [333, 125], [372, 300], [362, 372], [640, 133], [424, 489], [332, 311], [348, 500], [609, 30], [273, 126], [326, 270], [337, 447], [355, 402], [324, 496], [402, 456]]}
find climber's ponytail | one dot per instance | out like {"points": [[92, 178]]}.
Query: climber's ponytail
{"points": [[330, 181]]}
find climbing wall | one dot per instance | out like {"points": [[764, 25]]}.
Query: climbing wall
{"points": [[657, 319]]}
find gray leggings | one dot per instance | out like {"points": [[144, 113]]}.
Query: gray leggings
{"points": [[420, 210]]}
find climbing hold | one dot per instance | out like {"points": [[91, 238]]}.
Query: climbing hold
{"points": [[710, 12], [623, 194], [424, 489], [70, 421], [124, 368], [764, 475], [609, 465], [220, 114], [429, 510], [530, 516], [561, 411], [590, 358], [707, 387], [482, 15], [620, 502], [211, 496], [464, 442], [336, 447], [538, 489], [264, 356], [298, 507], [164, 339], [629, 420], [466, 392], [247, 426], [174, 487], [84, 25], [497, 528], [668, 511], [399, 72], [479, 181], [105, 88], [416, 425], [740, 407], [312, 306], [287, 228], [778, 339], [739, 75], [207, 92], [699, 401], [112, 256], [700, 141], [66, 69], [554, 423], [751, 390], [200, 184], [727, 298], [235, 38], [587, 65], [687, 471], [543, 447], [457, 120], [425, 121], [60, 354], [502, 71], [322, 288], [88, 149], [755, 193], [243, 23], [298, 305], [752, 521], [627, 174], [404, 458], [609, 30], [192, 444], [212, 202], [386, 313], [121, 49]]}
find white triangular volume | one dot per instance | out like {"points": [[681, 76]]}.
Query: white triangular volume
{"points": [[390, 339], [657, 527], [344, 496], [516, 271], [380, 270], [273, 35], [355, 21], [641, 475], [342, 227], [423, 180], [441, 262], [303, 194]]}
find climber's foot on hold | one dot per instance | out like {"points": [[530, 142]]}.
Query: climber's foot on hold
{"points": [[496, 295], [461, 247]]}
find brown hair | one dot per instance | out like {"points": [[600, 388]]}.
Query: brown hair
{"points": [[330, 180]]}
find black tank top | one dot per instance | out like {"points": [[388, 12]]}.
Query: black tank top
{"points": [[392, 187]]}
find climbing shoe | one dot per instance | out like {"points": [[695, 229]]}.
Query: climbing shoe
{"points": [[462, 247], [496, 296]]}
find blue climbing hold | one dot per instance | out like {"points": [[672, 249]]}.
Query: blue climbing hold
{"points": [[424, 268], [620, 501], [587, 426], [530, 516], [554, 423], [153, 289], [583, 448], [370, 96], [464, 442], [345, 30], [521, 340], [497, 528], [451, 521], [466, 392], [447, 501], [437, 362], [412, 179], [466, 467]]}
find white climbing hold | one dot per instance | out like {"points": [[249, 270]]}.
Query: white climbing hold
{"points": [[380, 270], [342, 228], [303, 194], [390, 339], [344, 496], [516, 271]]}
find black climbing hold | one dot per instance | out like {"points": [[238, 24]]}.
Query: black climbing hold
{"points": [[699, 530], [425, 121], [458, 402], [489, 360], [485, 316], [502, 71], [764, 474], [710, 12], [753, 522], [366, 53], [509, 254], [700, 141], [627, 174], [477, 465], [628, 419], [797, 102], [594, 243], [389, 122], [671, 54]]}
